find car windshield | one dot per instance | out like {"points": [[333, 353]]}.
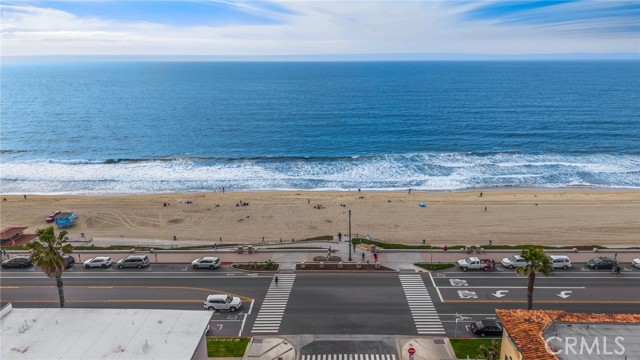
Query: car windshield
{"points": [[229, 299], [512, 258], [479, 324]]}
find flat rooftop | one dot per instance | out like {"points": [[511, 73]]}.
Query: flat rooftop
{"points": [[593, 340], [101, 333]]}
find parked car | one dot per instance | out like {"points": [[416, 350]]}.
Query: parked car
{"points": [[69, 261], [134, 261], [560, 262], [486, 327], [209, 262], [514, 262], [223, 302], [601, 262], [101, 261], [474, 263], [636, 262], [17, 262]]}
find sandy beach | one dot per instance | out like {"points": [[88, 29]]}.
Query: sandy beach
{"points": [[549, 217]]}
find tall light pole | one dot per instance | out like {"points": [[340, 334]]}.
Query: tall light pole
{"points": [[350, 236]]}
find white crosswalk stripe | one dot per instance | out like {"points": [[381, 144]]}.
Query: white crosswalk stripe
{"points": [[424, 313], [350, 357], [272, 309]]}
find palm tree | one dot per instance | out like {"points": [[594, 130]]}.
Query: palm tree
{"points": [[46, 253], [538, 262], [490, 351]]}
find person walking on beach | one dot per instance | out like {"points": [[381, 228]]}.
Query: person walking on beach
{"points": [[339, 237], [485, 209], [409, 191]]}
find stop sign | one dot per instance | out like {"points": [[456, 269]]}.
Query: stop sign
{"points": [[412, 351]]}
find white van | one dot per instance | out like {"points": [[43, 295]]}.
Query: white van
{"points": [[560, 261]]}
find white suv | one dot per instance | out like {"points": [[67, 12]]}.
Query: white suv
{"points": [[560, 261], [514, 262], [100, 261], [223, 302], [210, 262]]}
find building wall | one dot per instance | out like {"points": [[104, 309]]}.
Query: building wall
{"points": [[508, 350], [201, 350]]}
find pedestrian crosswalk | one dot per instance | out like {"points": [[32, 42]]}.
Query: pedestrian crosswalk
{"points": [[422, 309], [350, 357], [272, 309]]}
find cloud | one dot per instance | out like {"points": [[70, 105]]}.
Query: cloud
{"points": [[311, 27]]}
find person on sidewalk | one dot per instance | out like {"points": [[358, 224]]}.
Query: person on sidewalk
{"points": [[363, 256], [375, 257], [339, 237]]}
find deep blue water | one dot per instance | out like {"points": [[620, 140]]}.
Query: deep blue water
{"points": [[158, 127]]}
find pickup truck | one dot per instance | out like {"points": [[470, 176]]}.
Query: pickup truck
{"points": [[474, 263]]}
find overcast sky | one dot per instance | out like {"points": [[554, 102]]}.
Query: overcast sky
{"points": [[226, 27]]}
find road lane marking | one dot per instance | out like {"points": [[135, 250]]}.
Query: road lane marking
{"points": [[549, 301], [514, 287], [437, 289], [244, 298], [273, 306], [245, 318], [423, 312]]}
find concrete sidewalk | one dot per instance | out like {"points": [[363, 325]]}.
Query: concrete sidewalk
{"points": [[290, 254]]}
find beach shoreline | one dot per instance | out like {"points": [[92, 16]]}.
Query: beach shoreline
{"points": [[504, 216]]}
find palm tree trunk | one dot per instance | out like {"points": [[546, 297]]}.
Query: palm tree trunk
{"points": [[532, 280], [60, 290]]}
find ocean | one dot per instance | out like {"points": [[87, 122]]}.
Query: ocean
{"points": [[156, 127]]}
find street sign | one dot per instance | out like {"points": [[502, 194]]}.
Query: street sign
{"points": [[412, 351]]}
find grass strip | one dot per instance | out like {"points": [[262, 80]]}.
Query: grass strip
{"points": [[469, 347], [435, 267], [226, 347]]}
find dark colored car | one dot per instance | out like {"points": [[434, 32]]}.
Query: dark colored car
{"points": [[601, 263], [69, 261], [487, 328], [17, 262]]}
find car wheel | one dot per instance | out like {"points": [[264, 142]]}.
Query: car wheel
{"points": [[210, 308], [139, 266], [464, 269], [211, 267], [511, 267], [87, 266], [565, 267], [195, 267], [4, 266], [482, 334], [104, 266], [232, 309], [595, 267], [120, 266]]}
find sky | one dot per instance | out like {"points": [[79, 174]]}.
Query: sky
{"points": [[313, 28]]}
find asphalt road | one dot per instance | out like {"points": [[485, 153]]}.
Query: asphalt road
{"points": [[328, 303]]}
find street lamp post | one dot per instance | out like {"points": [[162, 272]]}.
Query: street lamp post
{"points": [[350, 236]]}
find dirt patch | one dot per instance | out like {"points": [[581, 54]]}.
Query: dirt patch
{"points": [[339, 267], [175, 221]]}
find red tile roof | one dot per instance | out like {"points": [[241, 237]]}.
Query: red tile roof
{"points": [[8, 233], [526, 327]]}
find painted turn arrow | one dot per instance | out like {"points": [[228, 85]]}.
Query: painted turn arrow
{"points": [[500, 293], [564, 294]]}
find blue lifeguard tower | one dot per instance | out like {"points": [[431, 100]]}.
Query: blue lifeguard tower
{"points": [[66, 219]]}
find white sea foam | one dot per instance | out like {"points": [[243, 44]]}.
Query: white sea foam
{"points": [[392, 172]]}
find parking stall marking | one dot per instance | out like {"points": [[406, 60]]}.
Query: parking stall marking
{"points": [[350, 357], [422, 309], [272, 309]]}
